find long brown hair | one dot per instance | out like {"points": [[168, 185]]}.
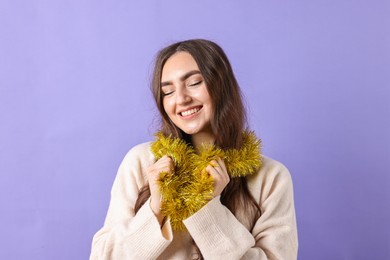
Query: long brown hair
{"points": [[229, 113], [227, 125]]}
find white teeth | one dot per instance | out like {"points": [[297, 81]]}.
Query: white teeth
{"points": [[190, 112]]}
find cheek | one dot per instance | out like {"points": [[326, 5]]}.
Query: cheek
{"points": [[211, 111], [205, 96], [167, 106]]}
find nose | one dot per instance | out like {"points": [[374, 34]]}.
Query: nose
{"points": [[182, 97]]}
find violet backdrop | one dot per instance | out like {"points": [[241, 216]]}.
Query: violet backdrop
{"points": [[74, 98]]}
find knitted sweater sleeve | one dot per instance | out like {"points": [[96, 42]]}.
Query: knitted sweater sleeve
{"points": [[219, 234], [126, 235]]}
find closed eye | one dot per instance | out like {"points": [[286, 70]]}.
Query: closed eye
{"points": [[195, 83], [167, 93], [167, 90]]}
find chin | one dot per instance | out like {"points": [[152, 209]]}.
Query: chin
{"points": [[190, 132]]}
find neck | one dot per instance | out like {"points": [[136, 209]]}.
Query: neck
{"points": [[202, 138]]}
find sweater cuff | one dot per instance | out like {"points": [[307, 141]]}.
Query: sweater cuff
{"points": [[154, 238], [206, 223], [217, 231]]}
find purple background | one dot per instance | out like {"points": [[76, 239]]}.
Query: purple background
{"points": [[74, 98]]}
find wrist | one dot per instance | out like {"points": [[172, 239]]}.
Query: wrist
{"points": [[156, 209], [155, 206]]}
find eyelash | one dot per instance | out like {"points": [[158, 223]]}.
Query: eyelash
{"points": [[168, 93], [190, 85], [195, 84]]}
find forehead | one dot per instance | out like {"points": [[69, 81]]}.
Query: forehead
{"points": [[177, 65]]}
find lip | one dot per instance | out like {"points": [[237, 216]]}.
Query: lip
{"points": [[189, 108]]}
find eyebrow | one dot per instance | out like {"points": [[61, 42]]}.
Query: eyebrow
{"points": [[182, 78]]}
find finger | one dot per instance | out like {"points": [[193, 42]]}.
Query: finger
{"points": [[213, 163], [154, 171], [163, 166], [222, 164], [214, 173], [223, 171], [216, 166], [163, 160], [166, 160]]}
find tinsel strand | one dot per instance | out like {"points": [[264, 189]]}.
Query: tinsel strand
{"points": [[189, 187]]}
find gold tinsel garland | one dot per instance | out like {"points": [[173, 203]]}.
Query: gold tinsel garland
{"points": [[189, 187]]}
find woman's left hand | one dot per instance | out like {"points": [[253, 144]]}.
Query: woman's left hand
{"points": [[217, 169]]}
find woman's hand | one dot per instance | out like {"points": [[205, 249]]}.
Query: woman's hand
{"points": [[217, 169], [164, 164]]}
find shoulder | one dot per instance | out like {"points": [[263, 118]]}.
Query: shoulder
{"points": [[273, 167], [138, 157], [132, 169], [139, 152], [140, 148], [273, 176]]}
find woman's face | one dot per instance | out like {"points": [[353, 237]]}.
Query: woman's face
{"points": [[185, 97]]}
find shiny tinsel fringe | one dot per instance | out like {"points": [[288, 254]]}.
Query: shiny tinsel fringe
{"points": [[189, 187]]}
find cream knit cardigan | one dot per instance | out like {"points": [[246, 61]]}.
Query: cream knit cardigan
{"points": [[216, 231]]}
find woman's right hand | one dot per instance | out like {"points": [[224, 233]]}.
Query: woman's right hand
{"points": [[164, 164]]}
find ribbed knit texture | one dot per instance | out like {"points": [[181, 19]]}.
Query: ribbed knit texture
{"points": [[217, 232]]}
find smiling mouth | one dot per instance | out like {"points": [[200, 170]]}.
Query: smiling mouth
{"points": [[190, 111]]}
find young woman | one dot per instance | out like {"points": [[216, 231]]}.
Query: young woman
{"points": [[201, 190]]}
